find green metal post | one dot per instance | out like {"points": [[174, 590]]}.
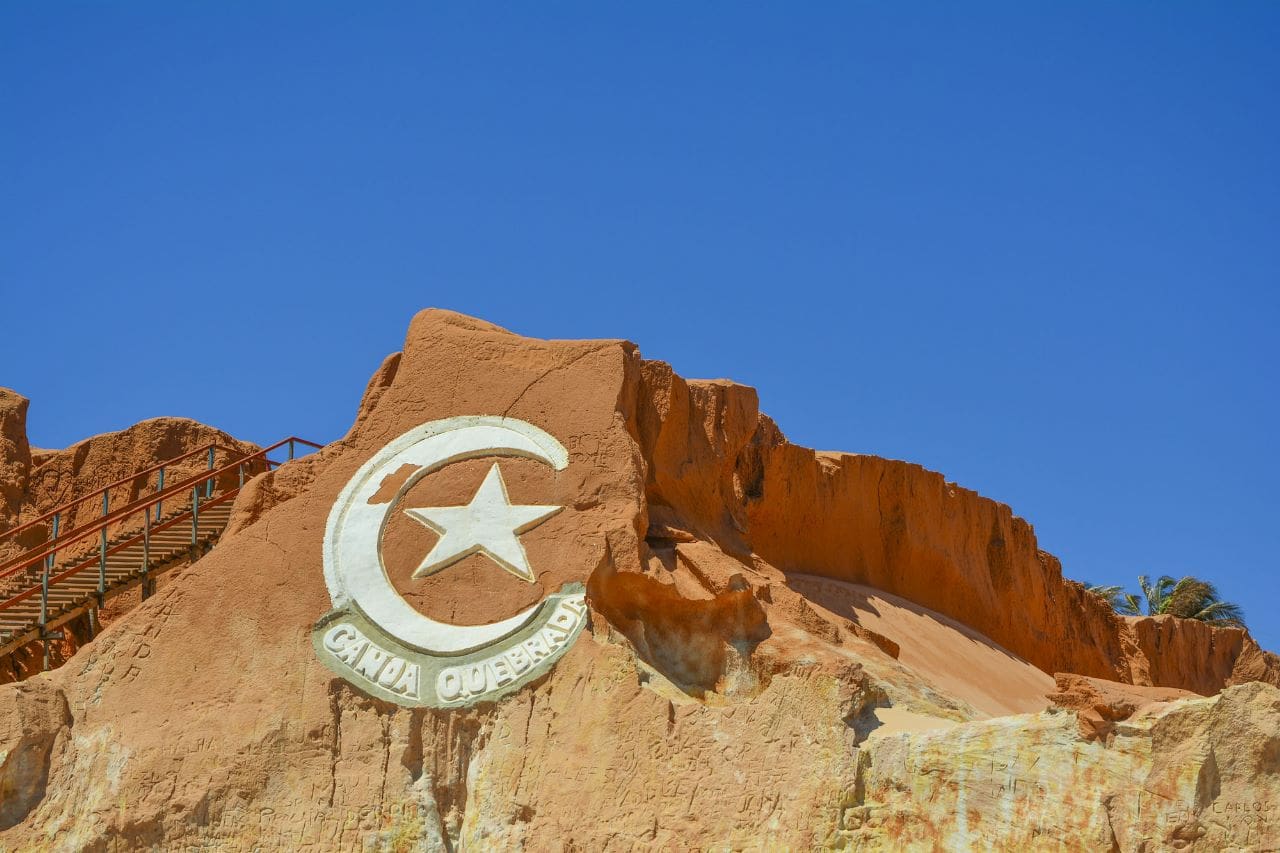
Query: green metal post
{"points": [[159, 488], [208, 486], [44, 614], [102, 553], [44, 590], [146, 552], [57, 518]]}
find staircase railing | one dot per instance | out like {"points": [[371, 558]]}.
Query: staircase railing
{"points": [[43, 557], [64, 510]]}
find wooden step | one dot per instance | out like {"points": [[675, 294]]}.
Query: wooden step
{"points": [[89, 586], [121, 568], [84, 588], [78, 595]]}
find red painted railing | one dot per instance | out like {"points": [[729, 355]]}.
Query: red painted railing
{"points": [[65, 509], [204, 481]]}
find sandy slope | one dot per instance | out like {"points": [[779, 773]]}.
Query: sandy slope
{"points": [[954, 658]]}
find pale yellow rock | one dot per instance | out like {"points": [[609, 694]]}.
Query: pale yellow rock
{"points": [[1194, 775], [898, 720], [28, 733]]}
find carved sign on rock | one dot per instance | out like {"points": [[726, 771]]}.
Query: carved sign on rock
{"points": [[375, 639]]}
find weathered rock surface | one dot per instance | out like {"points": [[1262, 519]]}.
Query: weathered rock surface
{"points": [[35, 717], [15, 456], [1100, 704], [787, 650], [1196, 775], [1192, 655]]}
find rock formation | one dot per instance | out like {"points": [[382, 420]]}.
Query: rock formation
{"points": [[15, 456], [786, 649], [33, 482]]}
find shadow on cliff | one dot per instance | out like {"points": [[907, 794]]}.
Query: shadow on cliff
{"points": [[694, 643], [851, 601]]}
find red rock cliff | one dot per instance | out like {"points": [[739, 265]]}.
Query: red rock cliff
{"points": [[720, 469], [717, 697]]}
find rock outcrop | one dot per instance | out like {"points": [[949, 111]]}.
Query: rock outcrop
{"points": [[36, 716], [1195, 656], [1100, 704], [786, 650], [15, 456], [1199, 774], [727, 474]]}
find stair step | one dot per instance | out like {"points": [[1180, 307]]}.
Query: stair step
{"points": [[123, 566], [92, 569], [85, 589], [33, 616], [34, 606], [90, 583]]}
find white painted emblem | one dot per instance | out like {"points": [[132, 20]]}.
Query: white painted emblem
{"points": [[490, 525], [375, 639]]}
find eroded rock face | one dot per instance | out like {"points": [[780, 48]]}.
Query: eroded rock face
{"points": [[35, 717], [1100, 704], [726, 472], [15, 456], [1196, 775], [786, 650], [1190, 654]]}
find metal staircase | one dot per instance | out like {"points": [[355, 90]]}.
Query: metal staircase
{"points": [[65, 577]]}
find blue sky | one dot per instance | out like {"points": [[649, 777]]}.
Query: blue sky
{"points": [[1032, 246]]}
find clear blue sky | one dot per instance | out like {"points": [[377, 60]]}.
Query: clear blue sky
{"points": [[1033, 246]]}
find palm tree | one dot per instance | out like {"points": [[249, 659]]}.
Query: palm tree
{"points": [[1188, 598], [1120, 601]]}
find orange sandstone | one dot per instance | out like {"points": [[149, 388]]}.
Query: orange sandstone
{"points": [[786, 650]]}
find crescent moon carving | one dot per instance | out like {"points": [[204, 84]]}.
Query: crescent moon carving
{"points": [[353, 567]]}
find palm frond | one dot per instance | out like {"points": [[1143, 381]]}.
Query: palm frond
{"points": [[1222, 613], [1158, 594], [1189, 597], [1150, 593], [1113, 595]]}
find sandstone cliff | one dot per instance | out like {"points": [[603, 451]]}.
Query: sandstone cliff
{"points": [[786, 650], [15, 456], [727, 474]]}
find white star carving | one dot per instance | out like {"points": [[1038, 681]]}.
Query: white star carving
{"points": [[489, 525]]}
